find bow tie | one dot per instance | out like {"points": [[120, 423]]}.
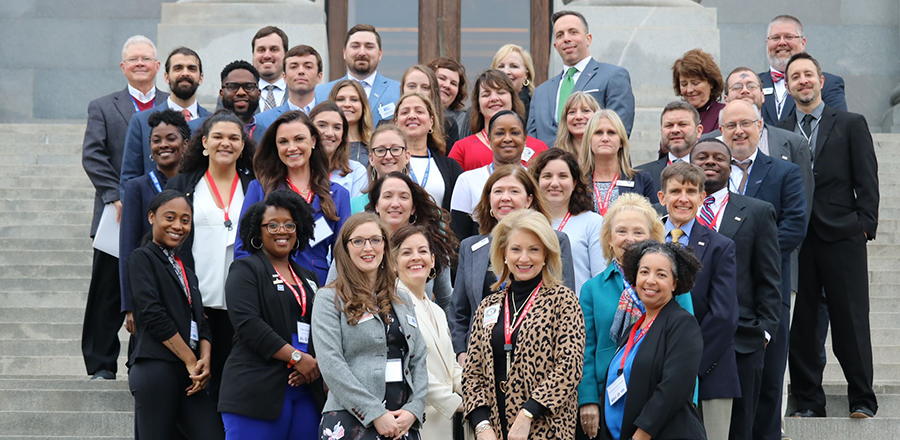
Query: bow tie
{"points": [[776, 75]]}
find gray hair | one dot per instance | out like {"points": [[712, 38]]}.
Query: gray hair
{"points": [[138, 39], [756, 113], [786, 19]]}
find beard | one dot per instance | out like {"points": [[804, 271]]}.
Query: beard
{"points": [[361, 68], [252, 105], [780, 64], [184, 92]]}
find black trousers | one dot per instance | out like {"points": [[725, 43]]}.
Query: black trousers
{"points": [[222, 338], [743, 409], [840, 267], [767, 422], [103, 316]]}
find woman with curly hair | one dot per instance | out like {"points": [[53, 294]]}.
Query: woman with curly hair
{"points": [[697, 79]]}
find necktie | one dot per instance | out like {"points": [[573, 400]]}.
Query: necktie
{"points": [[776, 75], [744, 166], [565, 90], [676, 234], [187, 114], [270, 96], [706, 213]]}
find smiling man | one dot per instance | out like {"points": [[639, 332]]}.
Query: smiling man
{"points": [[679, 128], [303, 72], [240, 92], [610, 85], [269, 46]]}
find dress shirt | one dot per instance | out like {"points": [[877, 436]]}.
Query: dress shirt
{"points": [[366, 82], [763, 141], [810, 137], [579, 68], [686, 228], [673, 159], [278, 92], [140, 96], [306, 109], [737, 174], [719, 205], [780, 92], [193, 108]]}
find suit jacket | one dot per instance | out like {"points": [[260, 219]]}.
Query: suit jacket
{"points": [[643, 185], [661, 386], [266, 118], [845, 199], [134, 226], [161, 309], [753, 226], [468, 292], [832, 94], [655, 169], [353, 357], [385, 93], [609, 84], [136, 159], [104, 143], [253, 381]]}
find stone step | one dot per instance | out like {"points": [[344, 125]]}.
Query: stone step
{"points": [[41, 345], [66, 437], [66, 400], [61, 332], [39, 137], [82, 243], [47, 193], [48, 205], [51, 171], [52, 257], [891, 277], [46, 233], [68, 149], [38, 159], [837, 406], [42, 128], [884, 263], [38, 366], [878, 319], [75, 424], [9, 382], [45, 271], [42, 299], [877, 249], [883, 290], [840, 428], [884, 304], [889, 372], [882, 354], [81, 182], [57, 315]]}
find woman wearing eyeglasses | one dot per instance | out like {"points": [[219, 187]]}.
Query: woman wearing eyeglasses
{"points": [[366, 333], [388, 154]]}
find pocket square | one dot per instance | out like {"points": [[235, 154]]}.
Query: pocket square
{"points": [[590, 91]]}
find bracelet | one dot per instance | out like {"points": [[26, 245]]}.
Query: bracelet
{"points": [[482, 426]]}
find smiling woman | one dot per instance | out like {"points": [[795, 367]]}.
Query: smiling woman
{"points": [[697, 79]]}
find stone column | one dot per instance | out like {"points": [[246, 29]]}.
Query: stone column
{"points": [[645, 37], [221, 32]]}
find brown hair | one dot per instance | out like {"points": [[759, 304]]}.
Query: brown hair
{"points": [[580, 200], [364, 126], [362, 27], [497, 80], [272, 172], [444, 251], [564, 138], [438, 113], [340, 159], [302, 50], [436, 141], [683, 172], [698, 64], [269, 30], [482, 212], [453, 66], [351, 286]]}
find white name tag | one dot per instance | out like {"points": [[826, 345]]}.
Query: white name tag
{"points": [[768, 90], [526, 154], [617, 390], [195, 332], [412, 321], [321, 232], [491, 314], [366, 317], [626, 183], [302, 332], [480, 244], [387, 111], [393, 372]]}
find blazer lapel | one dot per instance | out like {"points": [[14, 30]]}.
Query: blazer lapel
{"points": [[125, 105], [825, 126], [377, 91], [758, 173], [789, 106], [551, 98], [480, 258], [589, 71], [732, 218], [699, 239], [768, 109]]}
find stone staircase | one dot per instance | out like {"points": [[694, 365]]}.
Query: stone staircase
{"points": [[45, 258]]}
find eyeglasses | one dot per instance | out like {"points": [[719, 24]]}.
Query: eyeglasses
{"points": [[738, 87], [145, 60], [395, 151], [233, 87], [745, 124], [788, 38], [289, 227], [359, 242]]}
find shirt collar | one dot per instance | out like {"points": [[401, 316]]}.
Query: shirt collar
{"points": [[772, 69], [370, 80], [280, 84], [686, 158], [306, 109], [686, 228], [192, 108], [580, 66], [137, 94], [719, 195], [816, 113], [610, 271], [752, 157]]}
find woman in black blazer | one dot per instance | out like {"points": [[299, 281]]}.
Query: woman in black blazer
{"points": [[271, 387], [170, 367], [649, 386]]}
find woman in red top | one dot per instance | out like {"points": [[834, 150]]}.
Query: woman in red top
{"points": [[492, 93]]}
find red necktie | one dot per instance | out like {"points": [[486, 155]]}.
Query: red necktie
{"points": [[187, 115], [776, 75]]}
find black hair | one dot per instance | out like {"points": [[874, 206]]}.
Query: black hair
{"points": [[239, 65], [162, 198], [502, 113], [193, 158], [803, 56], [184, 51], [714, 140], [301, 214], [559, 14], [173, 118], [685, 264]]}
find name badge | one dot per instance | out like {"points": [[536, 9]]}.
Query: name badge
{"points": [[526, 154], [302, 332], [195, 335], [321, 232], [312, 285], [387, 111], [366, 317], [393, 371], [768, 90], [481, 243], [617, 390], [491, 314], [280, 287], [626, 183], [412, 321]]}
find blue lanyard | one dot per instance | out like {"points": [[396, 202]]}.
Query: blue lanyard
{"points": [[412, 172], [491, 168], [155, 182], [134, 103], [634, 296]]}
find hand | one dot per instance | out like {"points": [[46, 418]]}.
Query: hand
{"points": [[294, 379], [387, 425], [118, 205], [405, 420], [487, 435], [640, 434], [307, 368], [201, 376], [129, 323], [520, 428], [462, 407], [590, 419], [461, 359]]}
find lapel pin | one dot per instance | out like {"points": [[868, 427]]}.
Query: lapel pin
{"points": [[784, 158], [701, 243], [758, 182], [737, 219]]}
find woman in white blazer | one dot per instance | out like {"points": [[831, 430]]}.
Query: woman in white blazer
{"points": [[416, 252]]}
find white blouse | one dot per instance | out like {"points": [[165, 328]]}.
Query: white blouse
{"points": [[213, 247]]}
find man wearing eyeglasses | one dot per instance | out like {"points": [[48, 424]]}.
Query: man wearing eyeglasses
{"points": [[240, 92], [785, 38]]}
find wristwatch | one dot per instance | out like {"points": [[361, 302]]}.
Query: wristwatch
{"points": [[527, 413], [483, 426], [295, 357]]}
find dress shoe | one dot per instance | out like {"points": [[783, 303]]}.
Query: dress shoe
{"points": [[104, 375], [805, 413], [861, 412]]}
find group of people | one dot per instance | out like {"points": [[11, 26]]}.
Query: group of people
{"points": [[369, 259]]}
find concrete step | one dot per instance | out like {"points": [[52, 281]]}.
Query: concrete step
{"points": [[39, 271], [73, 423], [884, 263], [882, 354], [889, 372], [41, 345], [44, 299], [38, 159], [38, 366], [46, 193], [45, 284], [837, 406], [884, 304], [840, 428], [49, 257], [65, 149], [10, 382], [66, 400], [44, 331], [883, 290], [890, 277], [81, 243], [51, 171], [47, 233], [48, 205], [56, 315], [81, 182]]}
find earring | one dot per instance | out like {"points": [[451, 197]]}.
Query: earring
{"points": [[527, 82], [412, 219], [205, 152], [491, 212], [505, 261], [296, 245], [430, 130], [432, 274], [254, 245]]}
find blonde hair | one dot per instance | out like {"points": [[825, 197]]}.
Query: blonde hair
{"points": [[536, 223], [586, 158], [633, 202], [507, 49], [564, 138]]}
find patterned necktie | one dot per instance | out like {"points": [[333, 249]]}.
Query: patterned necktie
{"points": [[706, 213], [744, 166], [270, 97], [565, 90], [776, 75], [676, 234], [187, 114]]}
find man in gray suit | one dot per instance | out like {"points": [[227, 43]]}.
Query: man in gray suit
{"points": [[610, 85], [104, 140]]}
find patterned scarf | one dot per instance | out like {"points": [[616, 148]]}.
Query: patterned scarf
{"points": [[629, 311]]}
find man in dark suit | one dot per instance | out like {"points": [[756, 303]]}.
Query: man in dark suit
{"points": [[303, 72], [239, 92], [680, 128], [833, 255], [104, 139], [362, 53], [784, 39], [184, 74], [752, 225], [714, 295], [610, 85]]}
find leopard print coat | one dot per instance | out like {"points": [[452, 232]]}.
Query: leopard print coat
{"points": [[547, 369]]}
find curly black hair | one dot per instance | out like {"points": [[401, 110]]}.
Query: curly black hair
{"points": [[301, 214], [685, 264], [170, 117], [239, 64], [193, 159]]}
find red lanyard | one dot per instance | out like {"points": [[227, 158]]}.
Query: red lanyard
{"points": [[603, 203], [308, 197], [564, 221], [486, 142], [187, 286], [301, 298], [215, 189], [632, 342], [507, 331]]}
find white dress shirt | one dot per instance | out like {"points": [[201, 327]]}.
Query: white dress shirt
{"points": [[193, 108], [140, 96], [366, 82], [278, 92], [737, 173], [780, 92], [580, 68]]}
